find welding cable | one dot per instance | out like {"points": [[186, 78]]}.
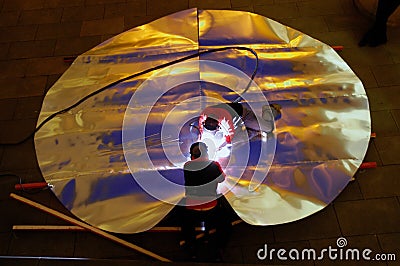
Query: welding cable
{"points": [[90, 95]]}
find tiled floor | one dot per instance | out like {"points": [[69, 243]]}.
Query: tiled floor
{"points": [[35, 36]]}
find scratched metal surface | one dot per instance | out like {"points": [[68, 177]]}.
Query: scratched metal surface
{"points": [[321, 138]]}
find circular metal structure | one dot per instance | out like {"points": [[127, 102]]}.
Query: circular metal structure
{"points": [[320, 139]]}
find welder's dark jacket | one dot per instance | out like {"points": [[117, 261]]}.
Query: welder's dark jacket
{"points": [[201, 180]]}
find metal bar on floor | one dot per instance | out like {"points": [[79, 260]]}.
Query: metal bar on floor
{"points": [[88, 227]]}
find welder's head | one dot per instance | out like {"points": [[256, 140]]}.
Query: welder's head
{"points": [[198, 149], [211, 124]]}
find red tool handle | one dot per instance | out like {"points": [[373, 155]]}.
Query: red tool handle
{"points": [[367, 165], [31, 186]]}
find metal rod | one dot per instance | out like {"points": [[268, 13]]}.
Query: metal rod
{"points": [[88, 227]]}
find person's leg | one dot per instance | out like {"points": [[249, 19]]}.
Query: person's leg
{"points": [[221, 219], [188, 231], [223, 226], [384, 10], [377, 34]]}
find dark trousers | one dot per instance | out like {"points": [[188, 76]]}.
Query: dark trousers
{"points": [[217, 218], [383, 12], [376, 35]]}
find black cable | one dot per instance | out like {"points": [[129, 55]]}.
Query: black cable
{"points": [[251, 78], [52, 116], [11, 174]]}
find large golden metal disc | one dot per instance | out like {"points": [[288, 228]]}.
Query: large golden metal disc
{"points": [[97, 158]]}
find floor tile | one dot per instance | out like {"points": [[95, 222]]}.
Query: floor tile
{"points": [[317, 8], [380, 182], [46, 66], [387, 75], [164, 8], [233, 255], [23, 5], [393, 49], [18, 33], [102, 2], [76, 46], [4, 50], [28, 243], [210, 4], [8, 181], [135, 21], [306, 25], [396, 116], [1, 152], [13, 69], [58, 30], [89, 245], [63, 3], [390, 244], [351, 192], [22, 262], [244, 8], [31, 49], [21, 214], [366, 56], [388, 149], [41, 16], [251, 235], [7, 108], [156, 242], [383, 123], [337, 38], [364, 73], [372, 155], [320, 225], [91, 12], [22, 156], [133, 8], [22, 87], [105, 26], [9, 18], [270, 2], [347, 22], [277, 12], [239, 3], [384, 98], [350, 8], [28, 107], [371, 216], [4, 241], [393, 34]]}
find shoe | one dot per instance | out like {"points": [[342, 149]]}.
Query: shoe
{"points": [[377, 41]]}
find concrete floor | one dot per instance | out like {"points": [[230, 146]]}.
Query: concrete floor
{"points": [[35, 36]]}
